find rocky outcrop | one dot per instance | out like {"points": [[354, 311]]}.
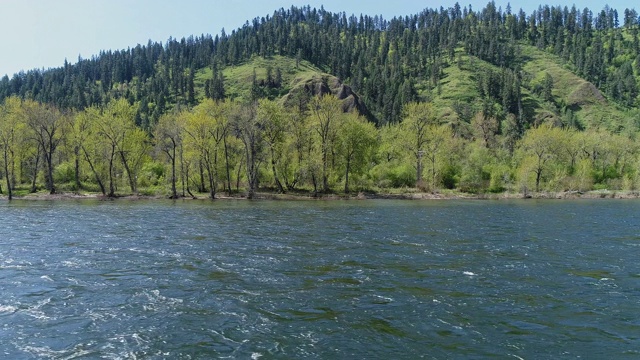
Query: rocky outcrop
{"points": [[586, 94], [303, 88]]}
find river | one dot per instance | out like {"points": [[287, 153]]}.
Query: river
{"points": [[374, 279]]}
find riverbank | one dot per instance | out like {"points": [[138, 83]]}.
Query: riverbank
{"points": [[267, 195]]}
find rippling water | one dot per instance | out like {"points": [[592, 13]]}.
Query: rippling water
{"points": [[339, 279]]}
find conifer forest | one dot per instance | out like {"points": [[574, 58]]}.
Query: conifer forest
{"points": [[306, 101]]}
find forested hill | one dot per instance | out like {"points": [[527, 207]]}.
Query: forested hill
{"points": [[562, 65]]}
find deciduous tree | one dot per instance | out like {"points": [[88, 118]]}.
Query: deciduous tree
{"points": [[357, 139]]}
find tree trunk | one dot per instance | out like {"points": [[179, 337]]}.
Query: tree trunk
{"points": [[346, 176], [215, 168], [95, 173], [7, 175], [35, 172], [202, 187], [132, 182], [433, 173], [172, 157], [76, 151], [183, 173], [275, 174], [226, 160], [186, 179], [13, 170], [419, 170], [212, 185], [112, 189], [174, 191], [238, 177], [314, 180], [49, 158], [325, 176], [252, 171]]}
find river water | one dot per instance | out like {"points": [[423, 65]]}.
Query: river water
{"points": [[314, 279]]}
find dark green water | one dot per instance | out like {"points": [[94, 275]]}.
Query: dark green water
{"points": [[331, 280]]}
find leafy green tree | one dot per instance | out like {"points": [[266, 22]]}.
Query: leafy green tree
{"points": [[127, 142], [168, 135], [219, 129], [326, 112], [474, 175], [247, 128], [92, 145], [272, 118], [485, 129], [11, 129], [539, 147], [201, 145], [45, 123], [437, 148], [357, 140], [418, 117], [298, 146]]}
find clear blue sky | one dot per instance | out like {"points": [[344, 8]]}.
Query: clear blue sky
{"points": [[42, 33]]}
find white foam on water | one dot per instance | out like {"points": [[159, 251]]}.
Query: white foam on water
{"points": [[139, 340], [8, 309], [9, 264], [225, 338], [36, 312], [158, 302], [41, 351], [469, 273], [77, 354], [382, 299], [255, 356], [47, 352], [46, 277], [71, 264]]}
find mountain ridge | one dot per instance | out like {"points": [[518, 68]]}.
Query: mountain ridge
{"points": [[388, 63]]}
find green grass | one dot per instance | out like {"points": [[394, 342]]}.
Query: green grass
{"points": [[237, 79], [457, 85], [590, 106]]}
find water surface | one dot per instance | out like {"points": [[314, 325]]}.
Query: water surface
{"points": [[335, 279]]}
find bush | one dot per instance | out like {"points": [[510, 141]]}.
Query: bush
{"points": [[64, 173], [394, 176], [151, 174], [450, 177], [500, 176]]}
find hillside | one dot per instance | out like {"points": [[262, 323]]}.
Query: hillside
{"points": [[238, 79], [484, 101], [590, 107], [435, 55]]}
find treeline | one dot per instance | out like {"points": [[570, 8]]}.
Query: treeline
{"points": [[242, 147], [383, 60]]}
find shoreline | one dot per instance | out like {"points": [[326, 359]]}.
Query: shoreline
{"points": [[266, 195]]}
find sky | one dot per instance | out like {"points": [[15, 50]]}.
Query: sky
{"points": [[41, 34]]}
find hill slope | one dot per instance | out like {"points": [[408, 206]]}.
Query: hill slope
{"points": [[463, 61]]}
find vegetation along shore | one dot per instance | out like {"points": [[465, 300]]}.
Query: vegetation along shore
{"points": [[305, 103]]}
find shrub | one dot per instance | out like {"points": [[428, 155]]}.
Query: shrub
{"points": [[151, 173], [64, 173]]}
